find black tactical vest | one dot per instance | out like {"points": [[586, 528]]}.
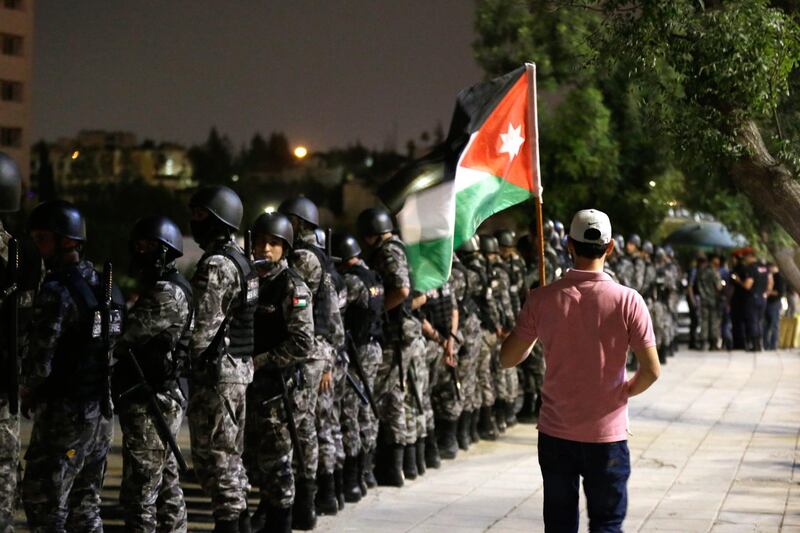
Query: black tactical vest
{"points": [[466, 305], [81, 363], [476, 266], [238, 325], [271, 329], [364, 323], [323, 305], [439, 309]]}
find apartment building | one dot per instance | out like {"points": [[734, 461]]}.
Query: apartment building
{"points": [[16, 72]]}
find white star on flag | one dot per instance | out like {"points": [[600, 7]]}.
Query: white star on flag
{"points": [[512, 140]]}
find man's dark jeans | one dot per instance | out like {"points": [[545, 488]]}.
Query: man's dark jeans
{"points": [[605, 468]]}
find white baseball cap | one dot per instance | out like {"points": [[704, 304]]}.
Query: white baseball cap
{"points": [[590, 226]]}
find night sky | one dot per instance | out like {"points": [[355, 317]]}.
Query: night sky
{"points": [[326, 72]]}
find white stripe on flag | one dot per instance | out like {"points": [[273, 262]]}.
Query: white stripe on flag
{"points": [[429, 214]]}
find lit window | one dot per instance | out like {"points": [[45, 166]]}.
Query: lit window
{"points": [[11, 137], [11, 44], [10, 91]]}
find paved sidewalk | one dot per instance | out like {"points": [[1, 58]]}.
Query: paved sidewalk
{"points": [[714, 448]]}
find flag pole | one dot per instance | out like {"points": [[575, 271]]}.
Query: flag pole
{"points": [[533, 142]]}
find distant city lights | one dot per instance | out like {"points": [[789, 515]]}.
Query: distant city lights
{"points": [[652, 184], [270, 209], [75, 154], [300, 152]]}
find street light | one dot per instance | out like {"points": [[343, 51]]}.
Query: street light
{"points": [[300, 152], [75, 154]]}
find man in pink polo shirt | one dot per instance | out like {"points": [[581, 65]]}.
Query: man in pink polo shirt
{"points": [[586, 322]]}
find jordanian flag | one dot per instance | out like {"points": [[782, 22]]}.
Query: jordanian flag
{"points": [[488, 162]]}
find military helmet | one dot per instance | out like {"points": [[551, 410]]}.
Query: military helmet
{"points": [[161, 229], [275, 224], [669, 250], [470, 245], [489, 244], [558, 226], [344, 246], [660, 253], [59, 217], [302, 208], [635, 240], [222, 202], [647, 247], [548, 228], [10, 184], [619, 241], [505, 237], [374, 221]]}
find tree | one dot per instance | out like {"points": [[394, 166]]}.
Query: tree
{"points": [[715, 79], [212, 161]]}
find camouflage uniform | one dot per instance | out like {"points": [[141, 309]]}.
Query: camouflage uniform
{"points": [[218, 389], [506, 383], [71, 436], [631, 271], [469, 327], [354, 412], [490, 322], [150, 493], [319, 361], [445, 404], [390, 262], [709, 287], [268, 445]]}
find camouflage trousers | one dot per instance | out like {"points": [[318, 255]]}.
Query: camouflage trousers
{"points": [[65, 465], [506, 381], [428, 376], [532, 370], [446, 405], [710, 322], [367, 421], [390, 397], [662, 322], [468, 358], [218, 443], [150, 493], [329, 429], [415, 414], [305, 415], [9, 462], [486, 360], [268, 446]]}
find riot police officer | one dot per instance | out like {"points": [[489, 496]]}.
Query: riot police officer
{"points": [[362, 313], [157, 333], [225, 288], [66, 379], [402, 344], [284, 335]]}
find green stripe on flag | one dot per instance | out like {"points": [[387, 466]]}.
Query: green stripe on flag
{"points": [[481, 200], [430, 262]]}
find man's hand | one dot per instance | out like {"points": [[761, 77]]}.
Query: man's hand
{"points": [[325, 382]]}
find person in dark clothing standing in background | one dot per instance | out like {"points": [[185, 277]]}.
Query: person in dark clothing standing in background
{"points": [[772, 317]]}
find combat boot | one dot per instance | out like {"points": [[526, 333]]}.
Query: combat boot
{"points": [[448, 443], [244, 522], [367, 479], [499, 411], [486, 427], [538, 405], [525, 414], [474, 418], [389, 465], [226, 526], [338, 483], [410, 461], [511, 415], [325, 501], [420, 449], [462, 431], [304, 516], [350, 479], [259, 518], [432, 458], [279, 520]]}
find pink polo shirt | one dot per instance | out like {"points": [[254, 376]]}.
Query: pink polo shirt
{"points": [[585, 322]]}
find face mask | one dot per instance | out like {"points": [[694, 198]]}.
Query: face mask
{"points": [[201, 230]]}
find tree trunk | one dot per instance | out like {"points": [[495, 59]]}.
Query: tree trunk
{"points": [[784, 257], [768, 184]]}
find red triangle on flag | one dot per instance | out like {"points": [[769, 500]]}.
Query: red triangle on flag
{"points": [[501, 146]]}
